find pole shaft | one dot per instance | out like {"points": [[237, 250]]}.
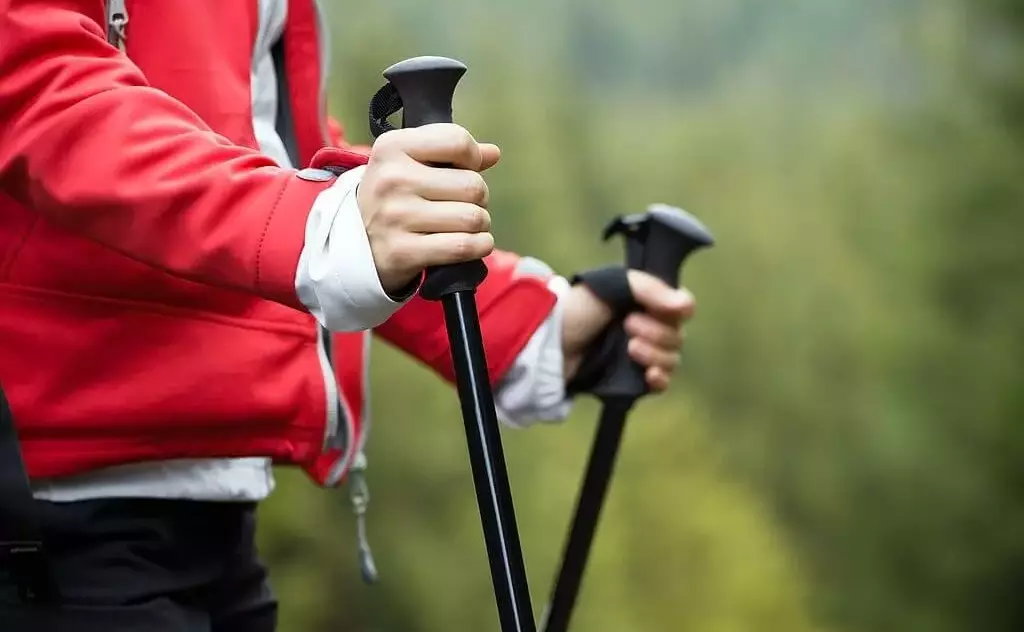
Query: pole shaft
{"points": [[490, 476], [600, 466]]}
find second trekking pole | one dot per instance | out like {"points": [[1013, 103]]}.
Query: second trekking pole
{"points": [[657, 242]]}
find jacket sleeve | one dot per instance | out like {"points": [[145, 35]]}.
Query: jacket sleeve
{"points": [[512, 305], [87, 143]]}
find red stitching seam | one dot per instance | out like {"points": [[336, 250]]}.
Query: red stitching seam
{"points": [[266, 228]]}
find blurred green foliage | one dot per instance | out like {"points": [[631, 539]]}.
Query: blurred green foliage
{"points": [[842, 450]]}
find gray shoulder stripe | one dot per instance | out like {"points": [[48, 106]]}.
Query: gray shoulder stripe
{"points": [[530, 267]]}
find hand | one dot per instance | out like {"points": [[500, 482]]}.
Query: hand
{"points": [[417, 215], [655, 334]]}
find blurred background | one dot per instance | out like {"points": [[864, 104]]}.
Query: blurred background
{"points": [[843, 448]]}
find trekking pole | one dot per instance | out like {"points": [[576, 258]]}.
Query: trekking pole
{"points": [[423, 88], [657, 242]]}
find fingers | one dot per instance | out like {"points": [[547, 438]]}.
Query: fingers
{"points": [[655, 335], [423, 216], [657, 379], [401, 174], [421, 251], [652, 356], [659, 363], [444, 185], [439, 143], [490, 155], [660, 300], [654, 331]]}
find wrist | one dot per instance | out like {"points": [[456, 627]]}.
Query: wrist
{"points": [[584, 317], [337, 278], [405, 292]]}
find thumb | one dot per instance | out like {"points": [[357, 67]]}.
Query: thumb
{"points": [[658, 299], [489, 156]]}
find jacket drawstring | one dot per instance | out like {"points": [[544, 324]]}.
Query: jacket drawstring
{"points": [[359, 494]]}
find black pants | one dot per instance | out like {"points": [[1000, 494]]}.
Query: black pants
{"points": [[148, 565]]}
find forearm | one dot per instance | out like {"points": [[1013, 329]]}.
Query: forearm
{"points": [[87, 143], [337, 280]]}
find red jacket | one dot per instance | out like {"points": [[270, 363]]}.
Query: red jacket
{"points": [[148, 252]]}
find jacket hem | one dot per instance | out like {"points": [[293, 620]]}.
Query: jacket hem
{"points": [[44, 460]]}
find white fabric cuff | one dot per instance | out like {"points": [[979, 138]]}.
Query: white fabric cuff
{"points": [[533, 389], [337, 280]]}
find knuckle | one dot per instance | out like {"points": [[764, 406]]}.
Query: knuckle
{"points": [[464, 139], [380, 178], [689, 307], [391, 212], [464, 144], [476, 189], [479, 220], [462, 248], [386, 143], [644, 352], [486, 245], [468, 247]]}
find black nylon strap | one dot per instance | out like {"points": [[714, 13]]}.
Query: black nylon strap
{"points": [[611, 285], [21, 543], [384, 103]]}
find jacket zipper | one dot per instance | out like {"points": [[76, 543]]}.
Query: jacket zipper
{"points": [[117, 24]]}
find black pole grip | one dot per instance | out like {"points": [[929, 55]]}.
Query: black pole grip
{"points": [[426, 86], [658, 241]]}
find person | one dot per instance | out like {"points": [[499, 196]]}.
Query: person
{"points": [[192, 261]]}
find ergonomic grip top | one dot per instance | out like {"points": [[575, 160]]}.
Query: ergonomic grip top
{"points": [[426, 87], [659, 240]]}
